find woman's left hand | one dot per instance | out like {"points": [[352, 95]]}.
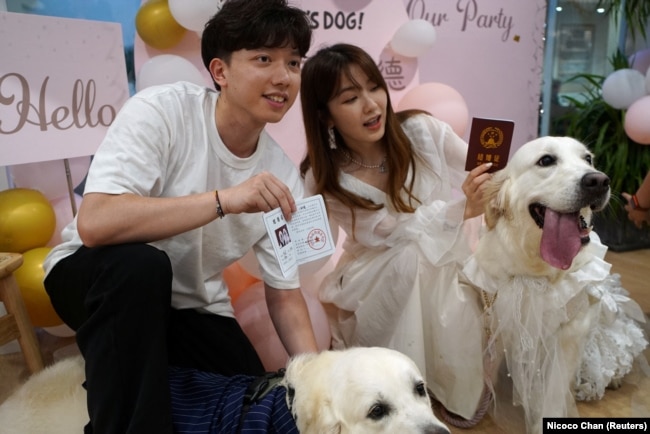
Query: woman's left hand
{"points": [[473, 189]]}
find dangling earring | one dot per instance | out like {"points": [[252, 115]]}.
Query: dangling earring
{"points": [[331, 138]]}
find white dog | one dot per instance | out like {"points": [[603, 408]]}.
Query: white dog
{"points": [[356, 391], [562, 323]]}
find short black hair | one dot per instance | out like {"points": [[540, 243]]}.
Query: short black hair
{"points": [[251, 24]]}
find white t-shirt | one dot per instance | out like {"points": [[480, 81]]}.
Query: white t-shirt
{"points": [[164, 143]]}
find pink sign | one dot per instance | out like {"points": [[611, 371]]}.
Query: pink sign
{"points": [[62, 81], [492, 53]]}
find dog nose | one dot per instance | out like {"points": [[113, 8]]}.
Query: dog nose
{"points": [[595, 181]]}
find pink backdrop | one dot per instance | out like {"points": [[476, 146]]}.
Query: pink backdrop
{"points": [[491, 53]]}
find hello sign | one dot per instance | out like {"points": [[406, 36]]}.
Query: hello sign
{"points": [[62, 82]]}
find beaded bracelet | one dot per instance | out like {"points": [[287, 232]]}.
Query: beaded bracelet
{"points": [[635, 204], [220, 212]]}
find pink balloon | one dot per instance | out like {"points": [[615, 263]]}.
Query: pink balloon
{"points": [[63, 212], [253, 316], [637, 121], [49, 177], [442, 101], [640, 60]]}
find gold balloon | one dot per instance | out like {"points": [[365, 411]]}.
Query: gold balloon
{"points": [[29, 277], [156, 25], [27, 220]]}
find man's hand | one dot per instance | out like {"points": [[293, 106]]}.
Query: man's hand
{"points": [[263, 192]]}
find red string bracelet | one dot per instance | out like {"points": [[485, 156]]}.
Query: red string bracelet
{"points": [[635, 204]]}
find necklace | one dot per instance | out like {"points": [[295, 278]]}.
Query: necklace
{"points": [[381, 166]]}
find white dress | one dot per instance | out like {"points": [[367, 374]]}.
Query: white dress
{"points": [[396, 284]]}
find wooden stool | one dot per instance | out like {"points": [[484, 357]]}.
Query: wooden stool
{"points": [[16, 323]]}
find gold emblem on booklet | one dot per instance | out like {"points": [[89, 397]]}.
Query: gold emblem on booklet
{"points": [[489, 142]]}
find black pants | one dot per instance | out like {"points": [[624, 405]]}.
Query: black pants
{"points": [[118, 300]]}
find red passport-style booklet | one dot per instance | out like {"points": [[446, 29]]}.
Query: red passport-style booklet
{"points": [[489, 141]]}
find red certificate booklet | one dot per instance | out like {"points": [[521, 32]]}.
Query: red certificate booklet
{"points": [[489, 141]]}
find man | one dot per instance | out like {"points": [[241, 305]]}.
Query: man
{"points": [[173, 196]]}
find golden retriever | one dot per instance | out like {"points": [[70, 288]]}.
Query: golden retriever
{"points": [[540, 271], [352, 391]]}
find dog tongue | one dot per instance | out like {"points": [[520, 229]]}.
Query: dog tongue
{"points": [[560, 239]]}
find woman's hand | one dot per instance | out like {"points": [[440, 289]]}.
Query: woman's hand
{"points": [[473, 189], [636, 215]]}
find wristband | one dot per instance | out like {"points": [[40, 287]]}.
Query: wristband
{"points": [[634, 201], [220, 212]]}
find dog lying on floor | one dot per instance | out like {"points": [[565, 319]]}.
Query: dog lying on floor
{"points": [[358, 390], [553, 312]]}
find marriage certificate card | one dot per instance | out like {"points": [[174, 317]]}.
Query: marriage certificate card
{"points": [[489, 142], [305, 238]]}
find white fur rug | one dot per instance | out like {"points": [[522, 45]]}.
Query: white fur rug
{"points": [[59, 386]]}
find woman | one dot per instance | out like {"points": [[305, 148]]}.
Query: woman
{"points": [[393, 183]]}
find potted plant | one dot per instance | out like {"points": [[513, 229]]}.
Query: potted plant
{"points": [[600, 127]]}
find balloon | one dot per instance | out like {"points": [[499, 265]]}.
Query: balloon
{"points": [[63, 212], [27, 220], [253, 316], [237, 279], [413, 38], [29, 277], [637, 121], [49, 177], [156, 25], [640, 60], [622, 87], [442, 101], [167, 68], [194, 14], [351, 5]]}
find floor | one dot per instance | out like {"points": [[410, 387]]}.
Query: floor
{"points": [[633, 266]]}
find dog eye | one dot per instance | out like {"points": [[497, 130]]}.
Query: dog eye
{"points": [[420, 389], [546, 160], [378, 411], [589, 160]]}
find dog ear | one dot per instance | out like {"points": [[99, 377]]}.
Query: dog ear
{"points": [[496, 198], [308, 376]]}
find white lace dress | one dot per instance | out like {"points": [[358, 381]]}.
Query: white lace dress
{"points": [[396, 284]]}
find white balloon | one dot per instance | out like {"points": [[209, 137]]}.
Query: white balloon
{"points": [[167, 68], [193, 14], [622, 87], [413, 38]]}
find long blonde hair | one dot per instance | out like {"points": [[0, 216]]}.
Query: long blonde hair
{"points": [[321, 78]]}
